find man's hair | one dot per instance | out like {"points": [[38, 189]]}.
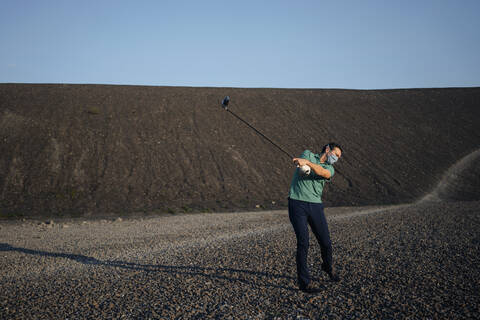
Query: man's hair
{"points": [[331, 145]]}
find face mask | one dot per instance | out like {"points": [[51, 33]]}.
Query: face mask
{"points": [[331, 158]]}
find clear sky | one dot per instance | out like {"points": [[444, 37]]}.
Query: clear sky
{"points": [[280, 44]]}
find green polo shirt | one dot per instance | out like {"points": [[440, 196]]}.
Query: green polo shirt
{"points": [[309, 188]]}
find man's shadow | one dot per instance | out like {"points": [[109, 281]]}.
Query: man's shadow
{"points": [[250, 277]]}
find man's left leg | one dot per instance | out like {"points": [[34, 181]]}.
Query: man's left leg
{"points": [[319, 226]]}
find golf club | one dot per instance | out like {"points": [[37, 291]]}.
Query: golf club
{"points": [[225, 103]]}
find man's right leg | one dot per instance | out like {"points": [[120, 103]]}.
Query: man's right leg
{"points": [[298, 217]]}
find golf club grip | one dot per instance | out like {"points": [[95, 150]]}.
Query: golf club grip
{"points": [[279, 148]]}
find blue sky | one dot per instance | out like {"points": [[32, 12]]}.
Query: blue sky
{"points": [[279, 44]]}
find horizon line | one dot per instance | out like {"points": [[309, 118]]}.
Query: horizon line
{"points": [[235, 87]]}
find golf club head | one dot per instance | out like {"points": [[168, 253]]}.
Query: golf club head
{"points": [[225, 102]]}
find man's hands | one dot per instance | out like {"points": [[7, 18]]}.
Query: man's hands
{"points": [[301, 162], [318, 169]]}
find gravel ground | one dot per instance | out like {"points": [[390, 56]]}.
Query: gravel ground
{"points": [[415, 261]]}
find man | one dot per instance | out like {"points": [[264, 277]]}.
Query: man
{"points": [[305, 207]]}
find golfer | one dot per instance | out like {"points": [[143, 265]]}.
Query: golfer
{"points": [[305, 207]]}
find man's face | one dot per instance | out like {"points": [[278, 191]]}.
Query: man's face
{"points": [[336, 151]]}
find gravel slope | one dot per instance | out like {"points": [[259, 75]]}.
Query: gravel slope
{"points": [[91, 150], [411, 261]]}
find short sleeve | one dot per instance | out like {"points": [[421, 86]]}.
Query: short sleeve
{"points": [[307, 154]]}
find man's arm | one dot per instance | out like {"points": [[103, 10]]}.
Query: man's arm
{"points": [[318, 169]]}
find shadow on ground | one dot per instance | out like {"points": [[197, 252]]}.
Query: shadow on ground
{"points": [[227, 274]]}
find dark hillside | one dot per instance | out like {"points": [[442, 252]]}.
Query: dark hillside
{"points": [[97, 149]]}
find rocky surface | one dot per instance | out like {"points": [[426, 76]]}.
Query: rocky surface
{"points": [[417, 261]]}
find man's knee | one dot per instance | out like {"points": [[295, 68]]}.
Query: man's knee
{"points": [[302, 243], [326, 244]]}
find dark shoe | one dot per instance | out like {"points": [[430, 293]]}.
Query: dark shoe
{"points": [[333, 276], [309, 289]]}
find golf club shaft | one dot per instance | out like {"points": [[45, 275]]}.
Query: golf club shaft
{"points": [[264, 136]]}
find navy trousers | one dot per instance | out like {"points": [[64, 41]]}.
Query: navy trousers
{"points": [[301, 214]]}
